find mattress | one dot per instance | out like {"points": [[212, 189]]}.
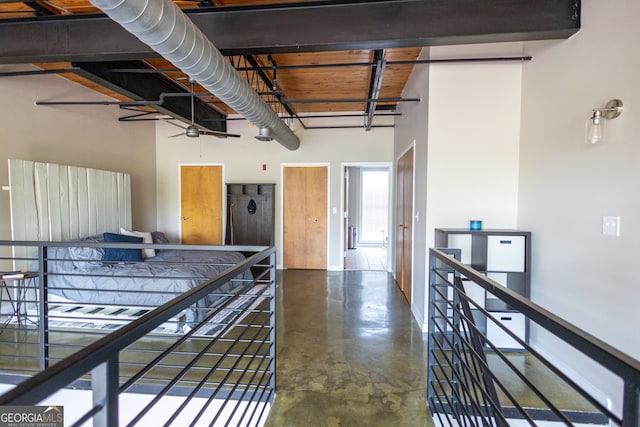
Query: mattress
{"points": [[79, 274]]}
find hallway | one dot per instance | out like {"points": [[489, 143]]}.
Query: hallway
{"points": [[349, 352]]}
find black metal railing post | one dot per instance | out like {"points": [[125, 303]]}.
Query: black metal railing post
{"points": [[104, 387], [43, 303], [631, 405], [272, 337]]}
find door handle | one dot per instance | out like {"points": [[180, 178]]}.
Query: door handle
{"points": [[184, 218]]}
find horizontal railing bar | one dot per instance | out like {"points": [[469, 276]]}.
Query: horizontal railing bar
{"points": [[511, 366], [88, 415], [176, 378], [174, 346], [159, 246], [464, 388], [495, 379], [57, 376], [613, 359], [215, 393], [235, 386], [580, 390]]}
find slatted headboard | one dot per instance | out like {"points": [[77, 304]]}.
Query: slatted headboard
{"points": [[56, 202]]}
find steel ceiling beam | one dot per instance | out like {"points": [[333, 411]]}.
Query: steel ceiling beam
{"points": [[301, 27], [377, 74], [141, 87]]}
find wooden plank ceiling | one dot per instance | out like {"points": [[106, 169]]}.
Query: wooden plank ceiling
{"points": [[305, 84]]}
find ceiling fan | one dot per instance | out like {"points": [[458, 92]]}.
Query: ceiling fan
{"points": [[193, 131]]}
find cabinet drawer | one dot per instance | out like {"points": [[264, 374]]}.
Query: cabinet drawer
{"points": [[514, 322], [505, 253]]}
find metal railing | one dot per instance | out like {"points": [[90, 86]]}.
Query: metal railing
{"points": [[204, 356], [473, 381]]}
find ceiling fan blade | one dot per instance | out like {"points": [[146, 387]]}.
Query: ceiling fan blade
{"points": [[177, 134], [219, 134]]}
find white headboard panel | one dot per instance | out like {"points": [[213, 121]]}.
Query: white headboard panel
{"points": [[56, 202]]}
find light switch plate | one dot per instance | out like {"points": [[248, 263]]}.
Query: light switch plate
{"points": [[611, 225]]}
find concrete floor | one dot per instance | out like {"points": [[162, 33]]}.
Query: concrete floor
{"points": [[366, 258], [349, 352]]}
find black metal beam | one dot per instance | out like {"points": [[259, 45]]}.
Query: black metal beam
{"points": [[267, 81], [346, 64], [300, 27], [38, 8], [141, 87], [375, 84]]}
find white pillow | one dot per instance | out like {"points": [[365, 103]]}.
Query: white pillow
{"points": [[146, 238]]}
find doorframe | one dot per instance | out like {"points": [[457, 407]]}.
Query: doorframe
{"points": [[390, 217], [412, 145], [280, 249], [223, 192]]}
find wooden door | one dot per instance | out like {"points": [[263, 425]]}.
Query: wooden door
{"points": [[201, 204], [305, 217], [345, 219], [404, 218]]}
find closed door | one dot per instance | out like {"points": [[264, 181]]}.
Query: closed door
{"points": [[404, 218], [201, 204], [305, 217]]}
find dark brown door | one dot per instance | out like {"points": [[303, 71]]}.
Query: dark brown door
{"points": [[404, 218], [305, 217]]}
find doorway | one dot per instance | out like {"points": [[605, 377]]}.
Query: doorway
{"points": [[366, 224], [304, 207], [201, 205], [404, 218]]}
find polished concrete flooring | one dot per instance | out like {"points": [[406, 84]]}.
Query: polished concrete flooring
{"points": [[366, 258], [349, 352]]}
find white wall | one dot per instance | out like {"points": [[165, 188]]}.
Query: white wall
{"points": [[411, 131], [566, 186], [88, 136], [467, 134], [243, 159], [474, 135]]}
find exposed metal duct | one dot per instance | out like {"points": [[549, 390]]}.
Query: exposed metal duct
{"points": [[167, 30]]}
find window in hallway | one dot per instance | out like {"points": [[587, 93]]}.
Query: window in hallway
{"points": [[375, 207], [367, 217]]}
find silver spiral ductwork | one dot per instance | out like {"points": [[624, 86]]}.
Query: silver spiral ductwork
{"points": [[166, 29]]}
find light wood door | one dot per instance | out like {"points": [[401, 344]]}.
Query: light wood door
{"points": [[201, 204], [305, 217], [404, 218]]}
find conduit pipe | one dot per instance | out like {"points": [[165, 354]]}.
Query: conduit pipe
{"points": [[167, 30]]}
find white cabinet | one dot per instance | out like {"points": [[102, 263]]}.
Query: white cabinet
{"points": [[505, 253], [514, 322], [505, 257]]}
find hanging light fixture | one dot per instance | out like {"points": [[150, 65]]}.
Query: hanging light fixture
{"points": [[595, 124], [264, 134]]}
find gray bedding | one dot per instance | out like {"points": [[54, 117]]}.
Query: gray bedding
{"points": [[80, 275]]}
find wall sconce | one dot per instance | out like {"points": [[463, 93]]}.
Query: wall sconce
{"points": [[595, 124]]}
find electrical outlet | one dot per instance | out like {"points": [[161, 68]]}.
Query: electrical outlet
{"points": [[611, 225]]}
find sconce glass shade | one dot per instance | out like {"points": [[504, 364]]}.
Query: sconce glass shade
{"points": [[595, 123], [595, 128]]}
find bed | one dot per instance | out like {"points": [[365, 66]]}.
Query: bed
{"points": [[81, 274]]}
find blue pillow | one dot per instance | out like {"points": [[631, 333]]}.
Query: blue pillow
{"points": [[119, 254]]}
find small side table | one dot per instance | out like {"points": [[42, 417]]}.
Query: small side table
{"points": [[15, 286]]}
